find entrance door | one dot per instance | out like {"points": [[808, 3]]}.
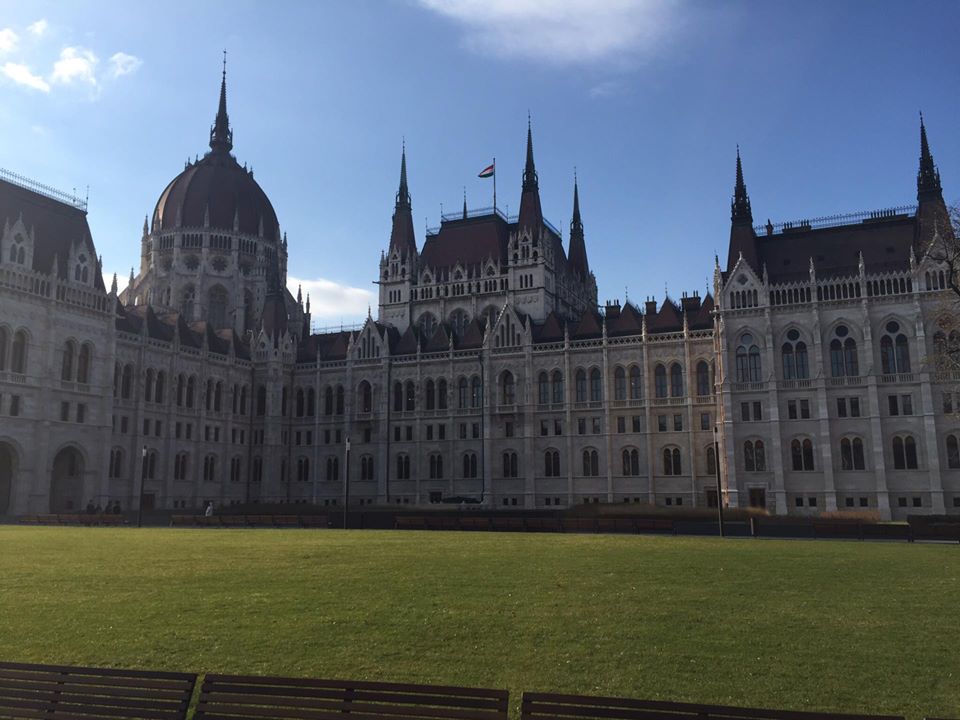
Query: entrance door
{"points": [[758, 497], [66, 484], [6, 477]]}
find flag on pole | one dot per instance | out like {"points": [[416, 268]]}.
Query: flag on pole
{"points": [[488, 171]]}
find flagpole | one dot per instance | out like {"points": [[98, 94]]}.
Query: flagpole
{"points": [[494, 185]]}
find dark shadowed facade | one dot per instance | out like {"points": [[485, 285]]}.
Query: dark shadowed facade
{"points": [[490, 372]]}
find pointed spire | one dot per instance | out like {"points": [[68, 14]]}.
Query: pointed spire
{"points": [[529, 169], [401, 236], [113, 285], [403, 193], [300, 295], [740, 211], [928, 177], [145, 231], [221, 136], [578, 248], [464, 202]]}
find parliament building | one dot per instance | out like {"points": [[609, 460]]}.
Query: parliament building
{"points": [[490, 374]]}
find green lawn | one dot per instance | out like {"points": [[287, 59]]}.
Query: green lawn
{"points": [[869, 627]]}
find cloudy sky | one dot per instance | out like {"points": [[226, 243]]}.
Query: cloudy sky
{"points": [[647, 99]]}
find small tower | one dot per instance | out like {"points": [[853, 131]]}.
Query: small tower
{"points": [[398, 268], [932, 215], [743, 240]]}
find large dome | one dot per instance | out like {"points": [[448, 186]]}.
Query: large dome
{"points": [[217, 185]]}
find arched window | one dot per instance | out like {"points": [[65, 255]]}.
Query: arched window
{"points": [[794, 355], [243, 400], [510, 469], [851, 454], [596, 386], [660, 381], [303, 469], [754, 456], [126, 383], [261, 400], [556, 386], [218, 397], [187, 300], [671, 461], [581, 385], [18, 356], [333, 467], [631, 462], [339, 399], [748, 360], [703, 379], [148, 386], [843, 354], [462, 393], [411, 396], [180, 466], [436, 466], [158, 388], [894, 350], [442, 394], [591, 463], [476, 392], [619, 384], [676, 380], [543, 389], [431, 394], [953, 452], [83, 367], [403, 466], [551, 463], [236, 469], [66, 368], [181, 387], [300, 403], [904, 453], [3, 348], [428, 325], [507, 388], [217, 307], [636, 383], [366, 467], [328, 400], [116, 463], [749, 464], [257, 474], [711, 460], [209, 395], [192, 391], [366, 397], [801, 454]]}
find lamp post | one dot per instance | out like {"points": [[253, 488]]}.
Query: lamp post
{"points": [[346, 481], [716, 458], [143, 461]]}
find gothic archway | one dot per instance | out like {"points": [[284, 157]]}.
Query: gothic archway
{"points": [[66, 481], [8, 460]]}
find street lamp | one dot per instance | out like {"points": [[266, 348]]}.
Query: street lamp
{"points": [[143, 462], [346, 482], [716, 462]]}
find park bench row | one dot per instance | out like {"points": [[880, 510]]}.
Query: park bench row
{"points": [[79, 693], [111, 519], [252, 521]]}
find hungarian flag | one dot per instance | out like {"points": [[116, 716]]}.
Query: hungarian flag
{"points": [[487, 172]]}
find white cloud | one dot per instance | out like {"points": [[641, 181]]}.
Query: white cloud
{"points": [[8, 40], [560, 32], [123, 64], [21, 75], [76, 64], [330, 301], [605, 89], [38, 28]]}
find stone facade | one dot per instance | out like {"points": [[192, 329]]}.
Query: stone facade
{"points": [[489, 375]]}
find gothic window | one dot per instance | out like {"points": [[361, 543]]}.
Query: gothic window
{"points": [[366, 397], [218, 397], [581, 385], [126, 382], [794, 356], [596, 385], [17, 254], [671, 461], [904, 453], [311, 402], [475, 392], [428, 325], [953, 452], [339, 399], [462, 393], [66, 368], [801, 454], [303, 469], [300, 402], [158, 388], [116, 463], [894, 350], [851, 454], [248, 322], [235, 469], [261, 400], [403, 466], [148, 386], [333, 467], [660, 381], [508, 388], [703, 379], [149, 465], [430, 393], [843, 354], [551, 463], [748, 360], [411, 396], [636, 383], [180, 466], [187, 299], [436, 466], [591, 463], [510, 467], [3, 348], [470, 465], [459, 320], [543, 388], [398, 396], [328, 400], [754, 457], [217, 306], [619, 384], [711, 460], [556, 382], [366, 467], [442, 394], [676, 380], [81, 273], [631, 462], [18, 356]]}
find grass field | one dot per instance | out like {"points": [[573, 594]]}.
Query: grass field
{"points": [[870, 627]]}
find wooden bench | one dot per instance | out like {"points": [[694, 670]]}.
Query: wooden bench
{"points": [[234, 696], [549, 706], [34, 691]]}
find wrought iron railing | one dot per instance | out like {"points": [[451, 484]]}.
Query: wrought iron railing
{"points": [[21, 181]]}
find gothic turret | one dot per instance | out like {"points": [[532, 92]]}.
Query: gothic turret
{"points": [[531, 215], [402, 239], [928, 177], [932, 215], [743, 240], [578, 248]]}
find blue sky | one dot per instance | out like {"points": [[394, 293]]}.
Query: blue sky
{"points": [[647, 99]]}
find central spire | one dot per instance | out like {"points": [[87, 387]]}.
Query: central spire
{"points": [[403, 192], [928, 177], [531, 216], [221, 136], [529, 170], [402, 239], [578, 248]]}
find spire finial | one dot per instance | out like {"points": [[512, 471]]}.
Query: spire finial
{"points": [[740, 207], [403, 193], [529, 169], [221, 136], [928, 177]]}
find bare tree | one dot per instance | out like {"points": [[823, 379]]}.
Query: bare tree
{"points": [[945, 250]]}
